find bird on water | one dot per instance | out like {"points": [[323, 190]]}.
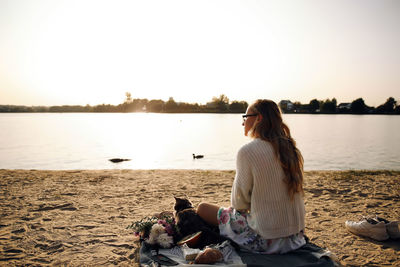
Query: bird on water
{"points": [[198, 156]]}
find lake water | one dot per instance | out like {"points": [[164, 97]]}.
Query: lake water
{"points": [[166, 141]]}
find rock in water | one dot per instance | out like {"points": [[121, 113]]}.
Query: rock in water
{"points": [[117, 160]]}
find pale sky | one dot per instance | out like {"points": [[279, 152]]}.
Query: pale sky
{"points": [[55, 52]]}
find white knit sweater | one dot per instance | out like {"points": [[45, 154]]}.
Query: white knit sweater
{"points": [[259, 187]]}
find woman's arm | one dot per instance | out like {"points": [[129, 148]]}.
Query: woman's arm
{"points": [[243, 184]]}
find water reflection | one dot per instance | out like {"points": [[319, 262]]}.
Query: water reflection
{"points": [[160, 141]]}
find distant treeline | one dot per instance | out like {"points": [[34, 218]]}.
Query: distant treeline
{"points": [[330, 106], [219, 104]]}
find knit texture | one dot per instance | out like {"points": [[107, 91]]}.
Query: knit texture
{"points": [[260, 189]]}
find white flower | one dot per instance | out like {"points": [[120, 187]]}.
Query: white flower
{"points": [[152, 240], [165, 241], [155, 232]]}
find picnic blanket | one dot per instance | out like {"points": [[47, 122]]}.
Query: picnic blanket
{"points": [[309, 255]]}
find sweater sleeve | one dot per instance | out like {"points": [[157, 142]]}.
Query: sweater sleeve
{"points": [[243, 184]]}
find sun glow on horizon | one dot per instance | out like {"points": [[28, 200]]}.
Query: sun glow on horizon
{"points": [[93, 52]]}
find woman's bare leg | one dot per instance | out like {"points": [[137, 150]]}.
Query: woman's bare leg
{"points": [[208, 212]]}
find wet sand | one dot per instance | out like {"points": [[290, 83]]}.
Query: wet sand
{"points": [[79, 218]]}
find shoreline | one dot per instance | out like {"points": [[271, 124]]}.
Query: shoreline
{"points": [[79, 217], [358, 171]]}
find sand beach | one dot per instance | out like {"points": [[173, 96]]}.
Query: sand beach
{"points": [[80, 218]]}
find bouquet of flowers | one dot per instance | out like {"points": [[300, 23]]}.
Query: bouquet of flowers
{"points": [[156, 230]]}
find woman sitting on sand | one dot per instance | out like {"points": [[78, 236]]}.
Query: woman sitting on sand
{"points": [[267, 206]]}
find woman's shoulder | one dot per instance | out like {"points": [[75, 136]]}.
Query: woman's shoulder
{"points": [[255, 146]]}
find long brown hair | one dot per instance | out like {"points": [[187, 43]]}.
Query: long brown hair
{"points": [[271, 128]]}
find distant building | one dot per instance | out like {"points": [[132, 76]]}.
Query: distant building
{"points": [[344, 106], [286, 105]]}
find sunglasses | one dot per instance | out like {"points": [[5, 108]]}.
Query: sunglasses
{"points": [[248, 115]]}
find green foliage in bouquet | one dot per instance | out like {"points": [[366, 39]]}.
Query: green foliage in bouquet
{"points": [[143, 227]]}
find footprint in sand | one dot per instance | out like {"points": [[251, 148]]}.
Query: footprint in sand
{"points": [[86, 226], [316, 192], [12, 254], [67, 206], [22, 230], [13, 250]]}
